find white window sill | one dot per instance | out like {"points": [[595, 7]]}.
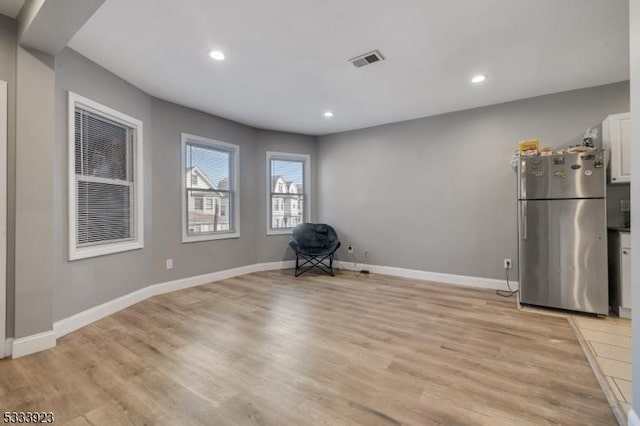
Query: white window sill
{"points": [[210, 237], [101, 250], [286, 231]]}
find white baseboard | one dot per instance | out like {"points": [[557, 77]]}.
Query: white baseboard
{"points": [[188, 282], [8, 347], [624, 312], [463, 280], [274, 266], [32, 344], [79, 320], [633, 418]]}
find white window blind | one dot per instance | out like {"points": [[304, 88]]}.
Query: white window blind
{"points": [[104, 192], [210, 194], [288, 191], [104, 178]]}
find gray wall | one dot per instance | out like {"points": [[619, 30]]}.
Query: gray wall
{"points": [[82, 284], [202, 257], [61, 288], [272, 248], [34, 195], [438, 193], [85, 283], [196, 258], [635, 195], [8, 50]]}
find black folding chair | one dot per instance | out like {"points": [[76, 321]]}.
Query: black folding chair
{"points": [[315, 245]]}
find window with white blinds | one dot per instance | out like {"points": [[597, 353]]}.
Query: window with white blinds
{"points": [[105, 180], [209, 195], [287, 191]]}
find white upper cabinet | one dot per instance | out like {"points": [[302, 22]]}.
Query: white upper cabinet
{"points": [[616, 137]]}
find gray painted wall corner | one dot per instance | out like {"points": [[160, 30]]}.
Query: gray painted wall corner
{"points": [[34, 202], [8, 52], [438, 193]]}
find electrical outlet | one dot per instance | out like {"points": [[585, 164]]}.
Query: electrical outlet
{"points": [[350, 249], [507, 264], [169, 263]]}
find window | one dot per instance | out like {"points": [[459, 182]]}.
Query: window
{"points": [[215, 164], [197, 201], [194, 179], [105, 180], [287, 191]]}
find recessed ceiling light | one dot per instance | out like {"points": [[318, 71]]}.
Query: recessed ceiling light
{"points": [[478, 78], [328, 114], [217, 55]]}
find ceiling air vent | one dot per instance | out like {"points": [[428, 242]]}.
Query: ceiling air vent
{"points": [[366, 59]]}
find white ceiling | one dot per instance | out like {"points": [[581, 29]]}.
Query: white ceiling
{"points": [[10, 8], [287, 59]]}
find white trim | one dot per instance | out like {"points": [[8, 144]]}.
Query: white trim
{"points": [[76, 253], [8, 345], [624, 312], [463, 280], [633, 418], [32, 344], [108, 181], [4, 111], [233, 187], [101, 250], [306, 159], [81, 319], [283, 231], [275, 266]]}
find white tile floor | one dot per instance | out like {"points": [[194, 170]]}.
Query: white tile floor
{"points": [[609, 339]]}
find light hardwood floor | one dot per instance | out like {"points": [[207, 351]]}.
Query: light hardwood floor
{"points": [[268, 348]]}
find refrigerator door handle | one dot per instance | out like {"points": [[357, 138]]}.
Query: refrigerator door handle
{"points": [[524, 220]]}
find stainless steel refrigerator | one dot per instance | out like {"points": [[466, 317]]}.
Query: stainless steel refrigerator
{"points": [[562, 226]]}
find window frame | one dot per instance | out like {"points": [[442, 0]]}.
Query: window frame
{"points": [[234, 187], [75, 252], [306, 201]]}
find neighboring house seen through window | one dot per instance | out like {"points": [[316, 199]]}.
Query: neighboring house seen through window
{"points": [[105, 180], [288, 191], [210, 197]]}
